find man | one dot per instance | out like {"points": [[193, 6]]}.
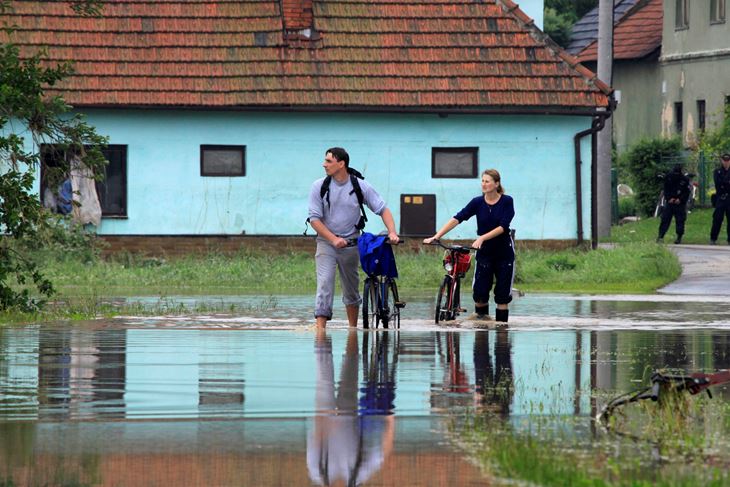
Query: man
{"points": [[337, 215], [722, 198], [676, 193]]}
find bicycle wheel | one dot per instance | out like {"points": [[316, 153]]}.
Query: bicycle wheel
{"points": [[441, 298], [369, 304], [391, 305]]}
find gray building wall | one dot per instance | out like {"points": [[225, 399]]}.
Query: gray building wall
{"points": [[640, 101], [695, 65]]}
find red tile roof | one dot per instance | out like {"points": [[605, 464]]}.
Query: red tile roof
{"points": [[432, 55], [638, 34]]}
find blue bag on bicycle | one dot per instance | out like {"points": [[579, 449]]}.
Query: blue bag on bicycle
{"points": [[376, 256]]}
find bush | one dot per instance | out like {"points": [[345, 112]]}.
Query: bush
{"points": [[643, 164], [626, 206]]}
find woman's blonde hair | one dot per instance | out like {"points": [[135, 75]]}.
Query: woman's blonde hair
{"points": [[494, 174]]}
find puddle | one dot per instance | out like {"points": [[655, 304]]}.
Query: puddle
{"points": [[265, 399]]}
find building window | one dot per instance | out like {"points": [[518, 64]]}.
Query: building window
{"points": [[681, 20], [717, 11], [678, 127], [112, 190], [454, 162], [56, 190], [701, 115], [222, 160]]}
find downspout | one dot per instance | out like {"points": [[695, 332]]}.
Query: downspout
{"points": [[598, 122]]}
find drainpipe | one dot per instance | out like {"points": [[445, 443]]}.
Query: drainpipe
{"points": [[597, 124]]}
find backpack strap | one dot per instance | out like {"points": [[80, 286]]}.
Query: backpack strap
{"points": [[324, 193]]}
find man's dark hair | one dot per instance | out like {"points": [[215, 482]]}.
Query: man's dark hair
{"points": [[340, 154]]}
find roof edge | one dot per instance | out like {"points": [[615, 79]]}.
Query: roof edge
{"points": [[476, 110], [592, 78]]}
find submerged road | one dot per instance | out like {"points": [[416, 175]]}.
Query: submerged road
{"points": [[705, 270]]}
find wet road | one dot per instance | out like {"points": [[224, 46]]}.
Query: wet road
{"points": [[705, 271]]}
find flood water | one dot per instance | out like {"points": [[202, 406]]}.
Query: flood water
{"points": [[264, 399]]}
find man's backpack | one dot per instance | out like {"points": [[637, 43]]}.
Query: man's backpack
{"points": [[324, 193]]}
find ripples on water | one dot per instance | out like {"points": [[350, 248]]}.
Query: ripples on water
{"points": [[216, 401]]}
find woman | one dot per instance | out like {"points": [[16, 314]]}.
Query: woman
{"points": [[496, 256]]}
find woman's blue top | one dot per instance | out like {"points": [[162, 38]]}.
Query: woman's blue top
{"points": [[490, 217]]}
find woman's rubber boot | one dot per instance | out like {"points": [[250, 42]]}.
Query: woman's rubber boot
{"points": [[480, 312], [502, 315]]}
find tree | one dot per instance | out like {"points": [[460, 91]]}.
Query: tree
{"points": [[561, 15], [30, 118]]}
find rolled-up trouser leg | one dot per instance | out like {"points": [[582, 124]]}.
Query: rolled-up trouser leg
{"points": [[326, 261], [348, 262]]}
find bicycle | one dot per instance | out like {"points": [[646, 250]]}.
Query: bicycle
{"points": [[457, 260], [380, 300]]}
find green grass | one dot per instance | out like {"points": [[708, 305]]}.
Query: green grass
{"points": [[697, 230], [85, 286]]}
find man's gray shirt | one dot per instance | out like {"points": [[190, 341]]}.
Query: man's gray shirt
{"points": [[343, 212]]}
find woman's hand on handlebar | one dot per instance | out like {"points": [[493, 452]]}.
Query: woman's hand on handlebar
{"points": [[430, 240]]}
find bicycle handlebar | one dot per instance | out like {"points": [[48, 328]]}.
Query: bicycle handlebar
{"points": [[352, 242], [457, 248]]}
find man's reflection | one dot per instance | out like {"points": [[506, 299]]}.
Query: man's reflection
{"points": [[344, 445], [494, 382]]}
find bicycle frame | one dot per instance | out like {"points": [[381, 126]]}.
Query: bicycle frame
{"points": [[451, 285], [381, 302]]}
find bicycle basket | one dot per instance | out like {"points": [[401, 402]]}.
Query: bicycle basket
{"points": [[463, 262]]}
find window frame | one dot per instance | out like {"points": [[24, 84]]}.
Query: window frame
{"points": [[718, 11], [701, 115], [475, 161], [679, 117], [124, 213], [681, 15], [214, 147]]}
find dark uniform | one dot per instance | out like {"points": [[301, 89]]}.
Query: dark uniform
{"points": [[676, 193], [722, 203]]}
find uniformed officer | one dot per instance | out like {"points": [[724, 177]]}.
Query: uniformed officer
{"points": [[722, 198], [676, 193]]}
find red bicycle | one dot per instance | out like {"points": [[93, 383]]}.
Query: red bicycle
{"points": [[457, 260]]}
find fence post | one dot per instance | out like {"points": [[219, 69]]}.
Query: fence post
{"points": [[703, 179], [614, 196]]}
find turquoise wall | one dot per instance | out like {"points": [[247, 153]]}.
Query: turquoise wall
{"points": [[284, 151]]}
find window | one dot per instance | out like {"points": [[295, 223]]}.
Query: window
{"points": [[454, 162], [681, 19], [222, 160], [112, 191], [701, 115], [717, 11], [678, 127]]}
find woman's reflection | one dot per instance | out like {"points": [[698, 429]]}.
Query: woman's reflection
{"points": [[346, 444], [494, 382]]}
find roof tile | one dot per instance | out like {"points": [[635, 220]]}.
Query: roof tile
{"points": [[380, 54]]}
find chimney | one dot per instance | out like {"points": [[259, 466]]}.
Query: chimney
{"points": [[298, 16]]}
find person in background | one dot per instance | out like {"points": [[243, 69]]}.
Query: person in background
{"points": [[722, 199], [495, 255], [676, 193]]}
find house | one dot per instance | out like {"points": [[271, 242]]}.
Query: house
{"points": [[671, 70], [219, 113], [585, 30], [637, 42]]}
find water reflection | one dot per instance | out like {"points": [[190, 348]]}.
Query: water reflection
{"points": [[350, 439], [340, 406]]}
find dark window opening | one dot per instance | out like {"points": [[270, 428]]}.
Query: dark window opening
{"points": [[112, 190], [222, 160], [701, 115], [56, 188], [681, 19], [678, 117], [454, 162]]}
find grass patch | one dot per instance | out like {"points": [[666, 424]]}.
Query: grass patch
{"points": [[697, 230], [86, 287]]}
